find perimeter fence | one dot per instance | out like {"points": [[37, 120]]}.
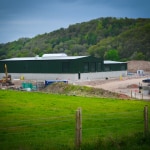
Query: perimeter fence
{"points": [[70, 130]]}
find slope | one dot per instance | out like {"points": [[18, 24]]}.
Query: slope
{"points": [[129, 36]]}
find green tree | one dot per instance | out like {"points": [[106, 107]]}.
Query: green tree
{"points": [[130, 37], [138, 56], [111, 55]]}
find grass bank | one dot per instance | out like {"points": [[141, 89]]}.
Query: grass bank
{"points": [[47, 121], [77, 90]]}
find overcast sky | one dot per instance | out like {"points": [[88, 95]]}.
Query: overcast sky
{"points": [[28, 18]]}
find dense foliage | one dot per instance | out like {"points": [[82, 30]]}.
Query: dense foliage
{"points": [[128, 38]]}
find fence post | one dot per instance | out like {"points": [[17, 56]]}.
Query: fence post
{"points": [[146, 120], [131, 93], [142, 95], [78, 138]]}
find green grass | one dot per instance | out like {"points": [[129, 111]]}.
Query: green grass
{"points": [[77, 90], [47, 121]]}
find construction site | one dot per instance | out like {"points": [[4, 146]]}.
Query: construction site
{"points": [[136, 84]]}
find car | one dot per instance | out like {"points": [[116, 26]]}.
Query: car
{"points": [[146, 80]]}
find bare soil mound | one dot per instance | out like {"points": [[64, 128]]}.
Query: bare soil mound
{"points": [[123, 96], [132, 86]]}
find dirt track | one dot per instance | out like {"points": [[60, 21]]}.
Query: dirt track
{"points": [[120, 84]]}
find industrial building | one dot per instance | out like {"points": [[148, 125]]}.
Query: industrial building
{"points": [[62, 67]]}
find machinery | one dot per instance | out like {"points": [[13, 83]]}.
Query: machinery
{"points": [[6, 80], [147, 88]]}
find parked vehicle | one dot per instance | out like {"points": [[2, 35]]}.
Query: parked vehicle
{"points": [[146, 80], [6, 80]]}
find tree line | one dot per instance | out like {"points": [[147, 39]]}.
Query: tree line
{"points": [[112, 38]]}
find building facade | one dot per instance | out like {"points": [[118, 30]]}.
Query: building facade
{"points": [[62, 67]]}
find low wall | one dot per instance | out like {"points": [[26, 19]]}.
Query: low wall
{"points": [[69, 77], [101, 75]]}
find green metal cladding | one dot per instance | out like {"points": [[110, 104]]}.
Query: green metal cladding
{"points": [[83, 64]]}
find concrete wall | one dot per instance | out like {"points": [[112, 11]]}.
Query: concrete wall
{"points": [[69, 77], [101, 75]]}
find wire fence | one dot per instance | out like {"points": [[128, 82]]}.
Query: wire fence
{"points": [[58, 131]]}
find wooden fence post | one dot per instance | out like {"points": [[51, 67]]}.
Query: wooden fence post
{"points": [[78, 138], [131, 93], [142, 95], [146, 120]]}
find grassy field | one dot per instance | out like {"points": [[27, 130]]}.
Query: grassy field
{"points": [[47, 121]]}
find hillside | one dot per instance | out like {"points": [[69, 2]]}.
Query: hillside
{"points": [[128, 37]]}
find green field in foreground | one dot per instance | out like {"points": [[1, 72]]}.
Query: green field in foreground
{"points": [[46, 121]]}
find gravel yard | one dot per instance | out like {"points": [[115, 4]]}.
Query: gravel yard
{"points": [[127, 85]]}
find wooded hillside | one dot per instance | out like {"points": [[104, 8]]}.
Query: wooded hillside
{"points": [[111, 38]]}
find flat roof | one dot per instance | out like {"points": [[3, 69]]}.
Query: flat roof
{"points": [[112, 62], [44, 58], [54, 54]]}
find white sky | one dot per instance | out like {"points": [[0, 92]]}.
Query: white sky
{"points": [[28, 18]]}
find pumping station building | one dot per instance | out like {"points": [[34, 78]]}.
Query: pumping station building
{"points": [[62, 67]]}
